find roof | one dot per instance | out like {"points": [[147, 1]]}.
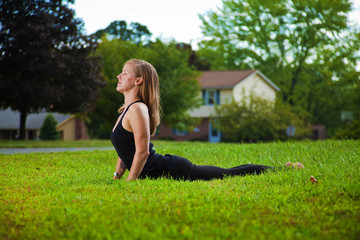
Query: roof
{"points": [[10, 119], [223, 79], [228, 79], [66, 121]]}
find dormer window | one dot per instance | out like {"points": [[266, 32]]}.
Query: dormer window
{"points": [[211, 96]]}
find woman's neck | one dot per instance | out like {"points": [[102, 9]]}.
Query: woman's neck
{"points": [[131, 99]]}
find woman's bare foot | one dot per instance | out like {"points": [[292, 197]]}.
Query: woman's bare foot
{"points": [[297, 165], [289, 164]]}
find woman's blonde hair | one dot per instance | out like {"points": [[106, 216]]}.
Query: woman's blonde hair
{"points": [[149, 91]]}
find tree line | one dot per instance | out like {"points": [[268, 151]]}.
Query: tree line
{"points": [[308, 48]]}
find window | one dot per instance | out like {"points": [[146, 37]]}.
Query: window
{"points": [[211, 96], [214, 132], [178, 132]]}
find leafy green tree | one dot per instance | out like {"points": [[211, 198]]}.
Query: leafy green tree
{"points": [[255, 119], [45, 60], [136, 32], [179, 87], [200, 64], [48, 129], [178, 84], [308, 48], [114, 53], [334, 86]]}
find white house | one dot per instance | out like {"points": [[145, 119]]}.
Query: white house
{"points": [[218, 87]]}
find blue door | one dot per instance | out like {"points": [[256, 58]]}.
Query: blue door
{"points": [[214, 134]]}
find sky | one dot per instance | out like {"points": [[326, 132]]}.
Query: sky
{"points": [[167, 19]]}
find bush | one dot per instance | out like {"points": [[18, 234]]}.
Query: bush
{"points": [[48, 129], [255, 119], [350, 131]]}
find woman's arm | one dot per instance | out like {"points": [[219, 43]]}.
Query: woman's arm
{"points": [[140, 125], [120, 169]]}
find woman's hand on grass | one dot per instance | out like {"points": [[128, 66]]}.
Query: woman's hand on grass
{"points": [[119, 170], [116, 176]]}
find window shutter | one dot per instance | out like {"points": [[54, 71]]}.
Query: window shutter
{"points": [[217, 96], [204, 96]]}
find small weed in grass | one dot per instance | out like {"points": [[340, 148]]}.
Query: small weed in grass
{"points": [[71, 195]]}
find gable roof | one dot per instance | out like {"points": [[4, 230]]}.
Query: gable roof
{"points": [[10, 119], [228, 79]]}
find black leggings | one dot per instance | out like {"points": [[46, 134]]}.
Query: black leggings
{"points": [[212, 172], [182, 169]]}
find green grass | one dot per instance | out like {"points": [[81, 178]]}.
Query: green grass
{"points": [[56, 143], [71, 195]]}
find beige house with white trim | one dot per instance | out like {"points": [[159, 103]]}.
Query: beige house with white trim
{"points": [[72, 128], [219, 87]]}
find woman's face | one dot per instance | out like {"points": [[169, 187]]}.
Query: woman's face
{"points": [[126, 79]]}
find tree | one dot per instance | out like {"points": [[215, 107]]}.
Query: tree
{"points": [[195, 61], [179, 87], [351, 131], [46, 61], [178, 83], [308, 48], [136, 32], [48, 129]]}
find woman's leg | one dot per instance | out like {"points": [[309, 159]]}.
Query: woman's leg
{"points": [[212, 172], [182, 168]]}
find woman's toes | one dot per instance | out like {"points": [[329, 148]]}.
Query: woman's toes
{"points": [[299, 165], [289, 164]]}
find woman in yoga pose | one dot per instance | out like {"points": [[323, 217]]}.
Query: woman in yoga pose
{"points": [[138, 119]]}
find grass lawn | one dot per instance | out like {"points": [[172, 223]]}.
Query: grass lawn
{"points": [[70, 195]]}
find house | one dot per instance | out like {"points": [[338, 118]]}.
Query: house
{"points": [[73, 128], [69, 126], [218, 87]]}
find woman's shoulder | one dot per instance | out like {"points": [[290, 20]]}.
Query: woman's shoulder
{"points": [[139, 108]]}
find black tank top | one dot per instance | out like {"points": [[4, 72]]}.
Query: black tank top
{"points": [[124, 145]]}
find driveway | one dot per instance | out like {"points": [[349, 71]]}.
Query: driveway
{"points": [[47, 150]]}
